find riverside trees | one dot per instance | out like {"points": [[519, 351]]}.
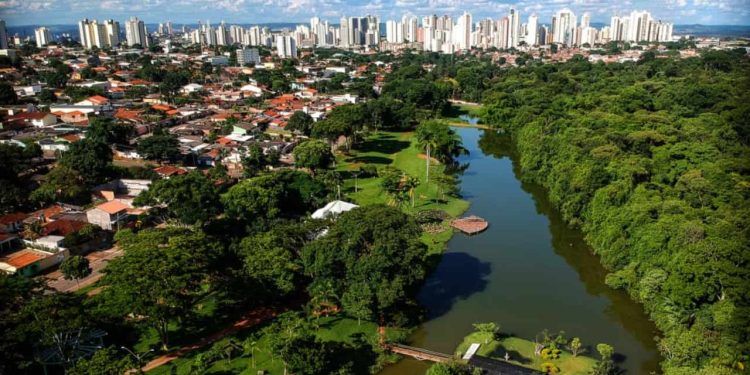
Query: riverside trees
{"points": [[650, 160]]}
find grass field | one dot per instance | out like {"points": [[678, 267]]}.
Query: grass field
{"points": [[399, 151], [521, 352], [330, 329]]}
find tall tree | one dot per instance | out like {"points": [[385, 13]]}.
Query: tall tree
{"points": [[160, 277], [313, 154], [192, 198], [75, 268]]}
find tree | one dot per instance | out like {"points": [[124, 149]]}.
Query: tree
{"points": [[108, 131], [491, 329], [62, 184], [270, 263], [301, 122], [451, 368], [91, 158], [172, 83], [191, 198], [438, 139], [75, 268], [106, 361], [15, 294], [160, 146], [7, 94], [358, 301], [374, 245], [47, 96], [575, 346], [313, 154], [159, 278], [15, 159], [605, 366], [255, 161]]}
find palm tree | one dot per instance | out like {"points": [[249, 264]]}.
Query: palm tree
{"points": [[427, 137]]}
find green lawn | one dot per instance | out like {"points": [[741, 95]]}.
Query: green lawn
{"points": [[330, 329], [522, 353], [399, 151], [458, 110]]}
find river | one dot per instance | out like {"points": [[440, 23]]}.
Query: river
{"points": [[528, 271]]}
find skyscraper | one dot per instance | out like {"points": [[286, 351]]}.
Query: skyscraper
{"points": [[515, 28], [112, 32], [532, 36], [462, 32], [3, 35], [286, 46], [42, 36], [135, 32], [564, 27]]}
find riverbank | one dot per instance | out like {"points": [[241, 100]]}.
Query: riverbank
{"points": [[521, 352], [529, 271], [398, 150]]}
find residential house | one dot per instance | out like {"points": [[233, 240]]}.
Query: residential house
{"points": [[110, 215], [35, 119]]}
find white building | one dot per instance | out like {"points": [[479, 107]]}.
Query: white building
{"points": [[42, 36], [532, 35], [135, 32], [286, 46], [564, 27]]}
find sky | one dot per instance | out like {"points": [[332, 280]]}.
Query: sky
{"points": [[56, 12]]}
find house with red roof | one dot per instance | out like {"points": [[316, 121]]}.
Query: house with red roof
{"points": [[35, 119], [96, 100], [109, 215]]}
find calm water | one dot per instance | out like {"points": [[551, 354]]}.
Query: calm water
{"points": [[527, 272]]}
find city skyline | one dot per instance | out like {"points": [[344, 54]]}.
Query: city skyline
{"points": [[33, 12]]}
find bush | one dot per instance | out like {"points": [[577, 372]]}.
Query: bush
{"points": [[549, 368], [430, 216], [368, 170]]}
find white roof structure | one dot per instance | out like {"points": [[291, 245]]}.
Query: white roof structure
{"points": [[333, 208]]}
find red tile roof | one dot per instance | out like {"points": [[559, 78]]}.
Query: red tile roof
{"points": [[12, 218], [113, 207], [22, 258]]}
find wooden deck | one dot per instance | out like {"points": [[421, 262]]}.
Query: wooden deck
{"points": [[470, 224]]}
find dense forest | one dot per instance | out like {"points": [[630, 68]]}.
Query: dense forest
{"points": [[651, 160]]}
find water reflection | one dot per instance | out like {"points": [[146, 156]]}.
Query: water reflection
{"points": [[529, 271]]}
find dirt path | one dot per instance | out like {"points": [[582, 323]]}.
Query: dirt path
{"points": [[251, 319]]}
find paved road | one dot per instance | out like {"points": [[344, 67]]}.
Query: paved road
{"points": [[97, 260]]}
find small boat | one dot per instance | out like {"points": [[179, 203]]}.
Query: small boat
{"points": [[470, 224]]}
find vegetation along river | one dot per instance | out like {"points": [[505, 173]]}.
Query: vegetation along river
{"points": [[529, 271]]}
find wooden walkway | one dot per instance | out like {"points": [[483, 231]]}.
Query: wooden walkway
{"points": [[419, 353]]}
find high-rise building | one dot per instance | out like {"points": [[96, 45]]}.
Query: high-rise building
{"points": [[515, 28], [462, 32], [136, 33], [564, 27], [532, 35], [247, 56], [42, 36], [3, 35], [94, 34], [221, 34], [112, 32], [286, 46]]}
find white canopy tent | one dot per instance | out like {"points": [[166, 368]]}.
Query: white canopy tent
{"points": [[333, 208]]}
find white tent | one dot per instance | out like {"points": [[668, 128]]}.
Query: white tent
{"points": [[333, 208]]}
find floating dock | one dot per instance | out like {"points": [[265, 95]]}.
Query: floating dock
{"points": [[470, 224]]}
